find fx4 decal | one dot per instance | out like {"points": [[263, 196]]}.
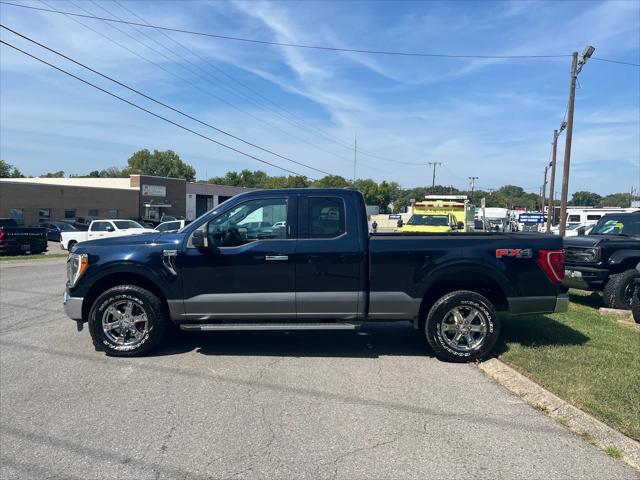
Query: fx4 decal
{"points": [[514, 253]]}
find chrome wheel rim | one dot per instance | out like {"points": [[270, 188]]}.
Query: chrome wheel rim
{"points": [[628, 292], [464, 328], [125, 322]]}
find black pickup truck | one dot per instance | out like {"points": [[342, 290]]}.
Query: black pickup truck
{"points": [[303, 259], [607, 260], [15, 240]]}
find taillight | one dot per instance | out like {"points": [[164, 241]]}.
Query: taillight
{"points": [[1, 236], [552, 262]]}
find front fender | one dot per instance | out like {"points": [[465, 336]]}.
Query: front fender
{"points": [[623, 256]]}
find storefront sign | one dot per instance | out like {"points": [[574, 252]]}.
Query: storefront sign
{"points": [[154, 191]]}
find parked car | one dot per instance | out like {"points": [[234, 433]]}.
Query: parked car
{"points": [[55, 229], [99, 229], [82, 223], [323, 272], [15, 239], [171, 226], [607, 259]]}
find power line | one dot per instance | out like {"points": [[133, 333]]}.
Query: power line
{"points": [[162, 103], [152, 113], [291, 45], [197, 87], [616, 61]]}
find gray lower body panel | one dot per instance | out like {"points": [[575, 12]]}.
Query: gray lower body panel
{"points": [[393, 306], [536, 305]]}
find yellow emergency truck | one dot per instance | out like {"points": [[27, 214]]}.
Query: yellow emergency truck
{"points": [[440, 213]]}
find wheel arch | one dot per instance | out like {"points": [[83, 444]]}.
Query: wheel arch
{"points": [[121, 278], [472, 278]]}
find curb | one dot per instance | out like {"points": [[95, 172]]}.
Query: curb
{"points": [[621, 316], [579, 422]]}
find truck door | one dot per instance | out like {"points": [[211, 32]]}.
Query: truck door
{"points": [[330, 259], [247, 271]]}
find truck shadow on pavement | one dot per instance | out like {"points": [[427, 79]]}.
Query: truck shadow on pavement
{"points": [[372, 341], [537, 331]]}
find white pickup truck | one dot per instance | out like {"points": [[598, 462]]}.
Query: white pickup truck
{"points": [[102, 229]]}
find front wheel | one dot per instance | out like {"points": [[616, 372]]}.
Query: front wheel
{"points": [[462, 326], [618, 290], [127, 321], [635, 302]]}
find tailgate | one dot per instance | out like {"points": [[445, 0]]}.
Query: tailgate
{"points": [[24, 235]]}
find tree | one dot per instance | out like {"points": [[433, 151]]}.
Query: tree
{"points": [[331, 181], [9, 171], [165, 163], [58, 174], [616, 200], [585, 199]]}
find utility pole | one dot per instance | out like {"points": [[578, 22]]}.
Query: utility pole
{"points": [[544, 188], [576, 67], [472, 183], [433, 179], [552, 186], [355, 156]]}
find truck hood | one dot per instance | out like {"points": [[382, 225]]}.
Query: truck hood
{"points": [[423, 228], [587, 240], [131, 240]]}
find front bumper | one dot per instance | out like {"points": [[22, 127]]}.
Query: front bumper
{"points": [[73, 306], [538, 305], [584, 278]]}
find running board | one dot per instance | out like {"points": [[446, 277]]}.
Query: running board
{"points": [[206, 327]]}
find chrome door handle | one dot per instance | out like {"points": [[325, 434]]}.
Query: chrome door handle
{"points": [[276, 258]]}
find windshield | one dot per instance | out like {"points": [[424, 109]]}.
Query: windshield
{"points": [[65, 227], [126, 224], [617, 225], [429, 220], [573, 226]]}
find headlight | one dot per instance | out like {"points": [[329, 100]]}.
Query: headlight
{"points": [[586, 255], [77, 263]]}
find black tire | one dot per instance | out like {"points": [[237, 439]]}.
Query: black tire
{"points": [[635, 303], [143, 302], [71, 244], [442, 340], [618, 290]]}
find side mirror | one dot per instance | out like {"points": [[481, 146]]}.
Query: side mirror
{"points": [[581, 231], [400, 223], [198, 240], [460, 225]]}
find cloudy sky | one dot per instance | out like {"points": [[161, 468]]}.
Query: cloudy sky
{"points": [[490, 118]]}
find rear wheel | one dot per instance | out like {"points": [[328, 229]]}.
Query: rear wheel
{"points": [[618, 290], [71, 244], [127, 321], [462, 326]]}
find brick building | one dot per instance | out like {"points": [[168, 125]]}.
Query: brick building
{"points": [[31, 201]]}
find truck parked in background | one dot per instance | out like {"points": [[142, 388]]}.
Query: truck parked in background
{"points": [[15, 239], [102, 229], [440, 214]]}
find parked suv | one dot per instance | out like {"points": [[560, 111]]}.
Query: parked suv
{"points": [[607, 259]]}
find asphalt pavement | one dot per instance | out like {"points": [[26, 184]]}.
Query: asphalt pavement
{"points": [[373, 404]]}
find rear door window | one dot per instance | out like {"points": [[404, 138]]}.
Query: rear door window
{"points": [[326, 217]]}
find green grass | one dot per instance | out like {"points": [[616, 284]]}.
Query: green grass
{"points": [[613, 452], [38, 256], [586, 358]]}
